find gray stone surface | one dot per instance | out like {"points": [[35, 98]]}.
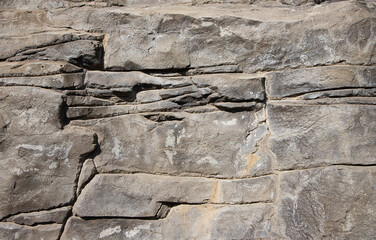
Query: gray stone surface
{"points": [[15, 231], [141, 195], [305, 136], [187, 119], [88, 171], [328, 203], [39, 160], [203, 222], [205, 144], [57, 215], [35, 68], [59, 81], [187, 37], [56, 45], [299, 81]]}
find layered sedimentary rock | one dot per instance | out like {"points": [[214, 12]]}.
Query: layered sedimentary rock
{"points": [[187, 119]]}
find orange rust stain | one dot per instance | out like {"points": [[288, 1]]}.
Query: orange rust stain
{"points": [[252, 161]]}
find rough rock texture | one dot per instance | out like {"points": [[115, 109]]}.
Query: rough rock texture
{"points": [[187, 119]]}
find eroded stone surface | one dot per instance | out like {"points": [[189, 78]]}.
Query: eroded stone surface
{"points": [[328, 203], [182, 38], [214, 143], [167, 101], [39, 160], [296, 82], [88, 170], [305, 136], [203, 222], [15, 231], [59, 81], [42, 217], [141, 195], [35, 68]]}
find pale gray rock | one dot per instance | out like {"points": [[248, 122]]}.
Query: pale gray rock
{"points": [[105, 80], [23, 23], [305, 136], [367, 92], [50, 43], [191, 37], [234, 106], [14, 231], [162, 51], [87, 101], [327, 203], [36, 68], [141, 195], [259, 189], [118, 110], [299, 81], [183, 222], [157, 95], [215, 69], [31, 111], [40, 172], [212, 143], [233, 87], [59, 81], [39, 160], [85, 53], [57, 215], [88, 171]]}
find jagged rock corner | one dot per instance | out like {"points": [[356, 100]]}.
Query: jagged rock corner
{"points": [[187, 119]]}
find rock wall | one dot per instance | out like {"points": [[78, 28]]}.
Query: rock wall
{"points": [[187, 119]]}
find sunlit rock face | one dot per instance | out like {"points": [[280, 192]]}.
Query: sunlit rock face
{"points": [[187, 119]]}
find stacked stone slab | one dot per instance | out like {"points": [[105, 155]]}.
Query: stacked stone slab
{"points": [[188, 119]]}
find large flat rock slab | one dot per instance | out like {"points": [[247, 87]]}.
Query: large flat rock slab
{"points": [[328, 203], [297, 82], [305, 135], [202, 144], [39, 160], [142, 195], [183, 222], [195, 37]]}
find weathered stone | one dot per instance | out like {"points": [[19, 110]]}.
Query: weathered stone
{"points": [[40, 172], [157, 95], [85, 53], [111, 111], [233, 87], [163, 51], [234, 106], [327, 203], [299, 81], [141, 195], [88, 171], [23, 23], [214, 143], [87, 101], [35, 68], [51, 43], [60, 81], [97, 79], [15, 231], [27, 110], [183, 222], [41, 217], [215, 69], [39, 162], [305, 136], [371, 92], [189, 37]]}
